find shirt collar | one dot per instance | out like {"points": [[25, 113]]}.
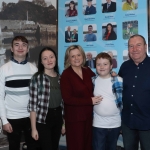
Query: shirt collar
{"points": [[144, 61], [15, 61]]}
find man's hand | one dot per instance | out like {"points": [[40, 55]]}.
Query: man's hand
{"points": [[8, 128]]}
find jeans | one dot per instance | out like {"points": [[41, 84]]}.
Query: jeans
{"points": [[49, 133], [14, 138], [131, 138], [105, 138]]}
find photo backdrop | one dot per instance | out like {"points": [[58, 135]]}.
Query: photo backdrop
{"points": [[125, 24]]}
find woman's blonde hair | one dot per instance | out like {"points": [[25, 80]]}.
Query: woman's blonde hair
{"points": [[68, 50]]}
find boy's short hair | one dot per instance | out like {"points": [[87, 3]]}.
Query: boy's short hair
{"points": [[19, 38], [104, 56]]}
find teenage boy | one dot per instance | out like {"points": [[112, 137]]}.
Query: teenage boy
{"points": [[14, 94]]}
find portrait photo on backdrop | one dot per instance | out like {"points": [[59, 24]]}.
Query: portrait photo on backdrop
{"points": [[113, 55], [129, 5], [71, 8], [89, 7], [71, 34], [109, 31], [90, 59], [125, 55], [129, 28], [89, 33], [108, 6]]}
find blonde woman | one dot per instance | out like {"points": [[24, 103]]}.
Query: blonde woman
{"points": [[77, 93]]}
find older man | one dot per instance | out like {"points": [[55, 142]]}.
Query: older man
{"points": [[136, 95], [68, 34], [109, 6], [90, 62]]}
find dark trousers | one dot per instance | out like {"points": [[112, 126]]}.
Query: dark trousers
{"points": [[79, 135], [49, 133], [14, 138], [131, 138], [105, 138]]}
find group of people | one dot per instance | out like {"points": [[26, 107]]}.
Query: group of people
{"points": [[106, 101]]}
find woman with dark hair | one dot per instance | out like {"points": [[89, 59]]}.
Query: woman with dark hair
{"points": [[129, 5], [71, 12], [110, 33], [45, 100]]}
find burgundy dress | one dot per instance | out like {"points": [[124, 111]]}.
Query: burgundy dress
{"points": [[78, 108]]}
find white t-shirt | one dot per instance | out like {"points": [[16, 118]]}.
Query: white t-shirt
{"points": [[106, 114]]}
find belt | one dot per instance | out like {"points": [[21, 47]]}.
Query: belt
{"points": [[57, 108]]}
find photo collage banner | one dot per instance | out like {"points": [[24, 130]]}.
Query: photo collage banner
{"points": [[100, 26]]}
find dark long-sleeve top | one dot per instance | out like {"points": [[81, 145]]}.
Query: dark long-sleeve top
{"points": [[76, 94], [136, 94], [112, 35]]}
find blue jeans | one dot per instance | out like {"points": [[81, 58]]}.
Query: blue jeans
{"points": [[131, 138], [105, 138]]}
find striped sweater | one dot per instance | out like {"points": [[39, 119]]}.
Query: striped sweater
{"points": [[14, 90]]}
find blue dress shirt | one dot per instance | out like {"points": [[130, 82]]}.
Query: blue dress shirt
{"points": [[136, 94]]}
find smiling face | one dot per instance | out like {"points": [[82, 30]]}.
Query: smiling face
{"points": [[137, 49], [75, 58], [19, 49], [48, 60], [103, 67]]}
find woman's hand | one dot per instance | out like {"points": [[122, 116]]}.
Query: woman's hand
{"points": [[113, 74], [35, 135], [96, 100], [63, 130]]}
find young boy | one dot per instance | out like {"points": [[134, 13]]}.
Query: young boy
{"points": [[107, 119]]}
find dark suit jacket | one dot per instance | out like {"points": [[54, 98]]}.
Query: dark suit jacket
{"points": [[112, 36], [87, 63], [75, 37], [76, 94], [112, 7], [67, 36]]}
